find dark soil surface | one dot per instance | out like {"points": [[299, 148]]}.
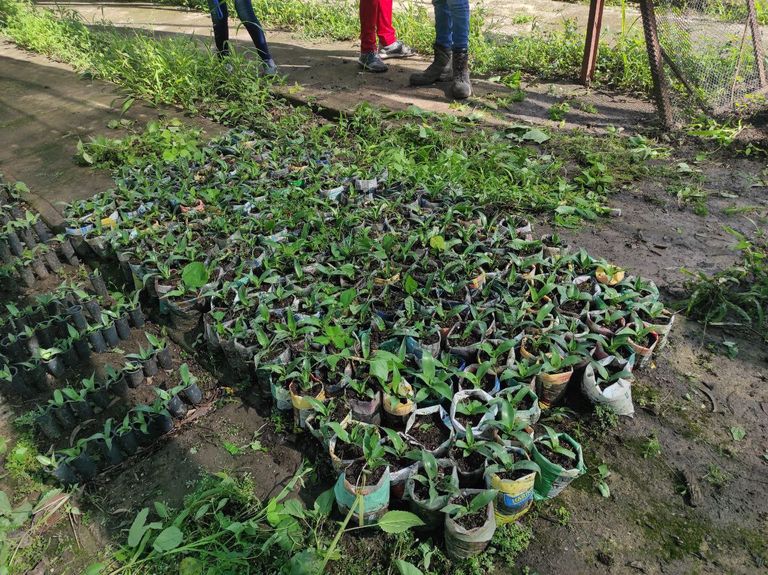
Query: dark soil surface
{"points": [[557, 458], [358, 474], [512, 475], [473, 462], [347, 451], [430, 431], [469, 420], [470, 520]]}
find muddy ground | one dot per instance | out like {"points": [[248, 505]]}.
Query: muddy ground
{"points": [[698, 506]]}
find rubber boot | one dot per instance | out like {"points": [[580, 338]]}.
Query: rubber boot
{"points": [[461, 87], [438, 71]]}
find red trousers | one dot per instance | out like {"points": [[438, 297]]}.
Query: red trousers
{"points": [[376, 20]]}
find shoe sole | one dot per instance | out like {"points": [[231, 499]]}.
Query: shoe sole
{"points": [[373, 71], [395, 56]]}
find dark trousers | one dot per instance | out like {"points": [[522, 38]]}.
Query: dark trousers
{"points": [[244, 8]]}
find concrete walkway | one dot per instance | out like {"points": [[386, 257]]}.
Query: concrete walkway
{"points": [[326, 73]]}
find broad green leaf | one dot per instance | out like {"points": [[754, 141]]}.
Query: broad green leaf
{"points": [[195, 275], [5, 505], [605, 491], [738, 433], [169, 538], [437, 243], [295, 508], [202, 511], [481, 500], [406, 568], [94, 569], [138, 528], [399, 521], [161, 509], [190, 566], [379, 368], [324, 503], [410, 285], [536, 135], [305, 563]]}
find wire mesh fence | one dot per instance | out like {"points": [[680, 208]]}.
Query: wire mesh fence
{"points": [[714, 48]]}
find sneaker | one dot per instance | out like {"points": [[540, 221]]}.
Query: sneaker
{"points": [[371, 62], [269, 68], [395, 50]]}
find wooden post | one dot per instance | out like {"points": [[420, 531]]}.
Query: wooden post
{"points": [[655, 60], [592, 43], [757, 42]]}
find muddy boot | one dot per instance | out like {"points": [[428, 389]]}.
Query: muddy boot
{"points": [[438, 71], [461, 87]]}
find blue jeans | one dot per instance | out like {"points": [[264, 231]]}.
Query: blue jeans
{"points": [[452, 23], [244, 9]]}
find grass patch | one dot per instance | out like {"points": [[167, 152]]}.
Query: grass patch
{"points": [[737, 295]]}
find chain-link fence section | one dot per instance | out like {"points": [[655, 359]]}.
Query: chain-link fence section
{"points": [[714, 49]]}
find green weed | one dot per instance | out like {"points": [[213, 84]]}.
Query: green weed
{"points": [[652, 447], [557, 112], [738, 294], [605, 420], [563, 515], [160, 141]]}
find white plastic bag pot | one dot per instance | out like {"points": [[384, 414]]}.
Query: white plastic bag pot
{"points": [[484, 424], [617, 396]]}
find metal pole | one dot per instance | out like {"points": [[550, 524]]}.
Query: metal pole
{"points": [[757, 41], [660, 85], [592, 43]]}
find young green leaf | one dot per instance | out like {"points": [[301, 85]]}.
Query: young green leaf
{"points": [[406, 568], [168, 539], [399, 521], [138, 528]]}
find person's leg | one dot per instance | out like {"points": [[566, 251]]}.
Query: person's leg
{"points": [[369, 15], [219, 17], [251, 22], [389, 45], [440, 70], [459, 24], [384, 29], [462, 86], [369, 54], [443, 23]]}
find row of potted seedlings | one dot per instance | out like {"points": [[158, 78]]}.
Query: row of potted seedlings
{"points": [[71, 406], [141, 426], [65, 327], [28, 249]]}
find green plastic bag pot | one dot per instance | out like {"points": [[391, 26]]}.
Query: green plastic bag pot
{"points": [[375, 498], [554, 478], [461, 543]]}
